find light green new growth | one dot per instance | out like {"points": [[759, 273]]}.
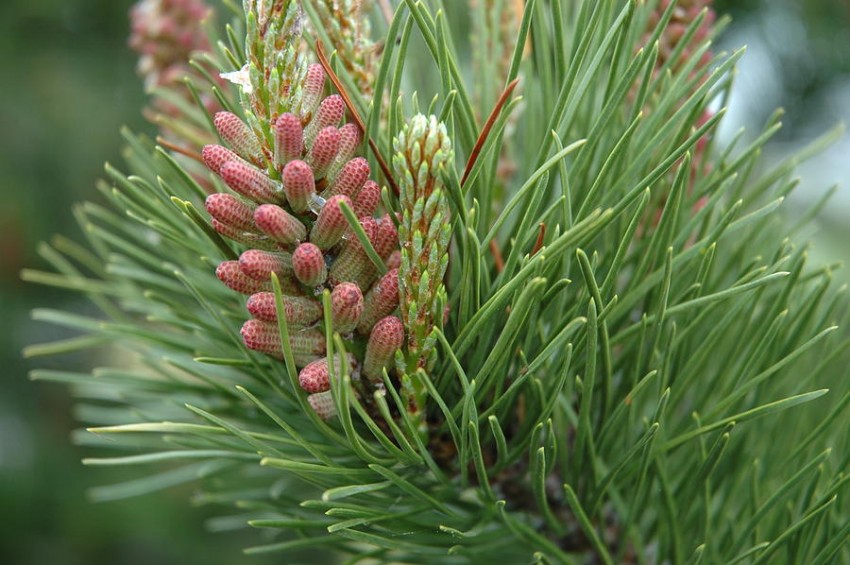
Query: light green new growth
{"points": [[275, 67], [345, 26], [640, 362], [423, 155]]}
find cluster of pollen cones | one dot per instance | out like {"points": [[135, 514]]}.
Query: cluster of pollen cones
{"points": [[286, 206], [165, 33]]}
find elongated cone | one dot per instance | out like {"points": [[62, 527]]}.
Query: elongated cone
{"points": [[238, 136], [349, 141], [380, 301], [386, 237], [262, 336], [350, 178], [323, 404], [165, 34], [230, 274], [307, 345], [298, 310], [315, 377], [229, 210], [260, 265], [248, 238], [329, 113], [312, 88], [394, 260], [288, 139], [346, 307], [386, 338], [367, 200], [227, 230], [331, 224], [308, 263], [298, 185], [324, 151], [249, 181], [352, 264], [215, 156], [423, 153], [279, 224]]}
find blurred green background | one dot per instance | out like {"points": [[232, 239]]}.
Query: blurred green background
{"points": [[68, 85], [798, 58]]}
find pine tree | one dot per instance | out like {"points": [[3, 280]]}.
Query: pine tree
{"points": [[403, 296]]}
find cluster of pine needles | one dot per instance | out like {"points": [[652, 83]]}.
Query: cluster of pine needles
{"points": [[638, 363]]}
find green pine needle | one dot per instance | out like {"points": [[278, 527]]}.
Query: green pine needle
{"points": [[638, 358]]}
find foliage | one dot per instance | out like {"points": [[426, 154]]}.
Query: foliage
{"points": [[635, 362]]}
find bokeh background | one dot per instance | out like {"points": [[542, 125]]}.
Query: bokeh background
{"points": [[67, 84]]}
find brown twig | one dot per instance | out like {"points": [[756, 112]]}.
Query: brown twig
{"points": [[538, 245], [497, 256], [491, 119], [387, 10], [177, 149], [323, 60]]}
